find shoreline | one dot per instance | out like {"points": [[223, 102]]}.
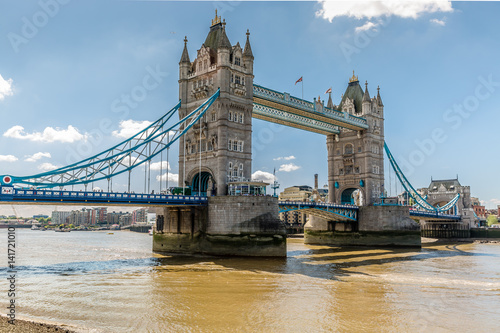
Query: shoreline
{"points": [[26, 325]]}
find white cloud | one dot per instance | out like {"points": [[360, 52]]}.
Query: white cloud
{"points": [[367, 26], [5, 88], [129, 128], [35, 157], [286, 158], [375, 9], [47, 166], [266, 177], [172, 177], [160, 165], [438, 22], [8, 158], [289, 167], [49, 134]]}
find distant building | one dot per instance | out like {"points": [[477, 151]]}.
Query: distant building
{"points": [[98, 215], [479, 209], [295, 193], [440, 192], [140, 215], [40, 216], [125, 219], [114, 217], [59, 217]]}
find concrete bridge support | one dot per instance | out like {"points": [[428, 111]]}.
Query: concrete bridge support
{"points": [[385, 226], [230, 225]]}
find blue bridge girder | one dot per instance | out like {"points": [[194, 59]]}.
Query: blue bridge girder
{"points": [[281, 108], [329, 211], [434, 216], [10, 195]]}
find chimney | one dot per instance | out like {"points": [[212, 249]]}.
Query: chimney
{"points": [[316, 181]]}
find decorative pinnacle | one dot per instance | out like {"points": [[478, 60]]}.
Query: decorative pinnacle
{"points": [[353, 78], [366, 84], [378, 88], [248, 33], [216, 20], [185, 40]]}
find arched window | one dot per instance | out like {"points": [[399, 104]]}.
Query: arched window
{"points": [[230, 116], [348, 149], [230, 146]]}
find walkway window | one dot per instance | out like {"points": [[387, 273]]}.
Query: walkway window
{"points": [[348, 149]]}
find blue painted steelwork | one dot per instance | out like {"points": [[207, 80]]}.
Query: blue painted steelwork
{"points": [[420, 201], [10, 195], [435, 215], [330, 116], [289, 119], [346, 213], [118, 159]]}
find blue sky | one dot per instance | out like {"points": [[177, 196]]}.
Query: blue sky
{"points": [[66, 65]]}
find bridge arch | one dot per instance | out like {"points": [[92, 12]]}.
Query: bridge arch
{"points": [[352, 195], [201, 179]]}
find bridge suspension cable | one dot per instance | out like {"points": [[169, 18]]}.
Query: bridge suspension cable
{"points": [[123, 157], [419, 200]]}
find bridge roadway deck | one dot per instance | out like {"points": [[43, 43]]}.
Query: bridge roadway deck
{"points": [[54, 197], [347, 213]]}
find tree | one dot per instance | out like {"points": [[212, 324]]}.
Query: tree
{"points": [[492, 219]]}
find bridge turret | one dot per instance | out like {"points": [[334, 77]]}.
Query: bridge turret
{"points": [[184, 69], [366, 100], [248, 54]]}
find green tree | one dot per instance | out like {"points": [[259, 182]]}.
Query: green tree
{"points": [[492, 219]]}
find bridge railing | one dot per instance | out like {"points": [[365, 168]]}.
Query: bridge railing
{"points": [[317, 204], [64, 195]]}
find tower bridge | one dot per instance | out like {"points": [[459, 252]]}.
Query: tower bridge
{"points": [[218, 99]]}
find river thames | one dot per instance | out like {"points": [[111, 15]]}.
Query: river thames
{"points": [[104, 282]]}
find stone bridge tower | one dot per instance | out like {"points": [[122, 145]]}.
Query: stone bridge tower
{"points": [[226, 129], [356, 158]]}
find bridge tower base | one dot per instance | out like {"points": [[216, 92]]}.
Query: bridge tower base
{"points": [[229, 226], [377, 226]]}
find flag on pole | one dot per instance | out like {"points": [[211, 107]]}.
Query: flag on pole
{"points": [[329, 90], [299, 80]]}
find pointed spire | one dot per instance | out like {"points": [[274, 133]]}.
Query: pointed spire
{"points": [[366, 96], [248, 49], [379, 100], [223, 40], [185, 54], [330, 103]]}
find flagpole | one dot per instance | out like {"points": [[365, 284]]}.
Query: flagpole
{"points": [[302, 88]]}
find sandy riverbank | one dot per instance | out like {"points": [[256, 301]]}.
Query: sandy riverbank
{"points": [[29, 326]]}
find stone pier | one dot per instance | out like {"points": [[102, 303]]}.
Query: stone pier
{"points": [[230, 225], [384, 226]]}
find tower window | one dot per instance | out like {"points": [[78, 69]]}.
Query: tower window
{"points": [[214, 116], [230, 146], [230, 116], [235, 145], [240, 145], [237, 79], [348, 149], [241, 118], [237, 61]]}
